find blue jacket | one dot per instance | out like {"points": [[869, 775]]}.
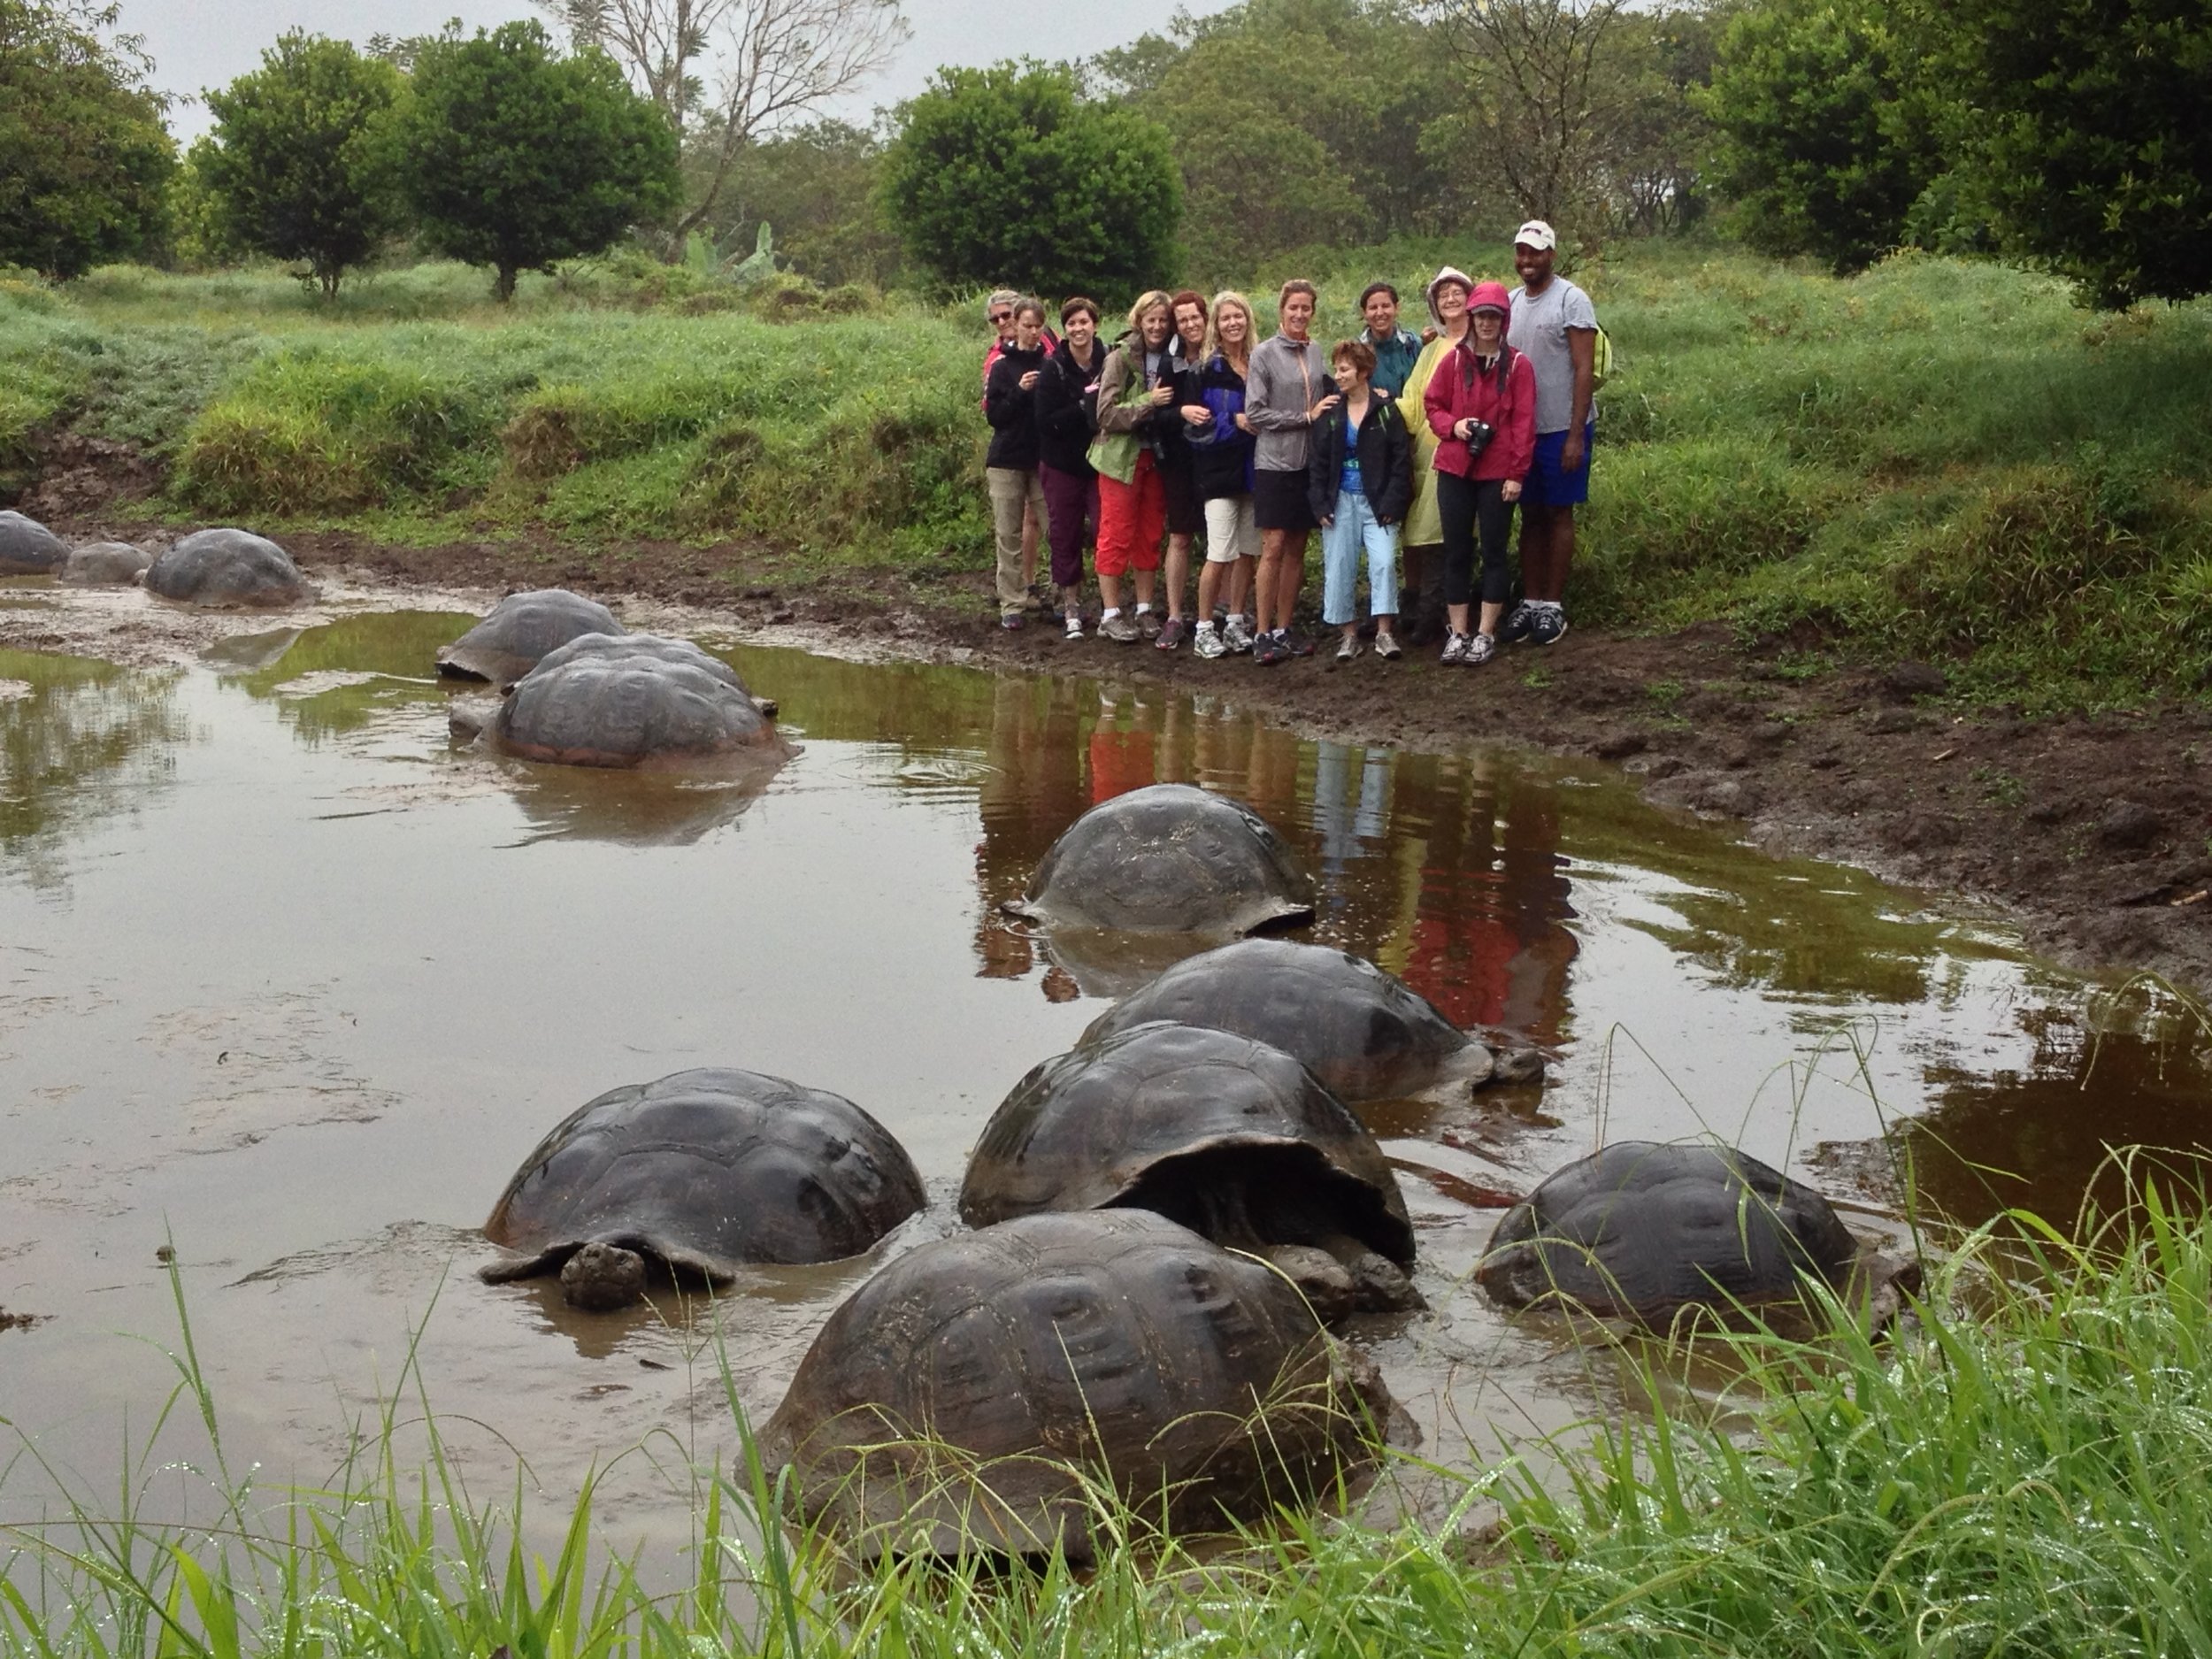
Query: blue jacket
{"points": [[1221, 453]]}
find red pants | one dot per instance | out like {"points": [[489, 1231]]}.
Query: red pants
{"points": [[1131, 518]]}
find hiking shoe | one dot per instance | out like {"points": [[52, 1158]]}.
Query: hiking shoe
{"points": [[1118, 628], [1386, 647], [1269, 649], [1346, 650], [1480, 649], [1011, 620], [1171, 635], [1237, 635], [1075, 628], [1518, 624], [1454, 648], [1209, 643], [1547, 624], [1295, 643], [1146, 623]]}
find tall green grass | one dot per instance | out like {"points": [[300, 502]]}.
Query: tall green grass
{"points": [[2030, 1477]]}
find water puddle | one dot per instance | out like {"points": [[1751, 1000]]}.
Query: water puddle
{"points": [[288, 985]]}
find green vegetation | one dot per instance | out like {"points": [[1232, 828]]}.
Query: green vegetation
{"points": [[2024, 1478]]}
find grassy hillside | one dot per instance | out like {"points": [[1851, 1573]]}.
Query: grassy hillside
{"points": [[1938, 458]]}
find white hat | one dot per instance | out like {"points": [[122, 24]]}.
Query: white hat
{"points": [[1536, 235]]}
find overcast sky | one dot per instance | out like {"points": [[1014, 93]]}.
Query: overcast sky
{"points": [[196, 44]]}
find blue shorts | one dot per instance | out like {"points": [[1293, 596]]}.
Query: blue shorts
{"points": [[1547, 485]]}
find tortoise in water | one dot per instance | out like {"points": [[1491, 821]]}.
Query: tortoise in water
{"points": [[1233, 1139], [701, 1172], [1365, 1033], [517, 632], [228, 568], [956, 1399], [27, 548], [1644, 1230], [630, 699], [1168, 858], [105, 565]]}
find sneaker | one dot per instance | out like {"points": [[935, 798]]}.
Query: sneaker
{"points": [[1519, 623], [1237, 632], [1480, 649], [1146, 623], [1171, 635], [1295, 643], [1118, 629], [1208, 642], [1269, 649], [1386, 647], [1011, 620], [1547, 624], [1346, 650], [1454, 648], [1075, 628]]}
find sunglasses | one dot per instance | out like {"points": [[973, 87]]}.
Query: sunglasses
{"points": [[1001, 317]]}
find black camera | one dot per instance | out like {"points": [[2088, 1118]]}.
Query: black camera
{"points": [[1478, 435]]}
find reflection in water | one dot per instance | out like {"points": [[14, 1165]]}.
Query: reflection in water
{"points": [[87, 740], [633, 809], [329, 681]]}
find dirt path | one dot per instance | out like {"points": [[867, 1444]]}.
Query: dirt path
{"points": [[2093, 829]]}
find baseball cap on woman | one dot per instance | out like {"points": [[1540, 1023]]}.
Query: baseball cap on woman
{"points": [[1537, 234]]}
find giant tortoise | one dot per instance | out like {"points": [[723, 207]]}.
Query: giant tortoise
{"points": [[228, 568], [962, 1399], [699, 1172], [105, 565], [1233, 1139], [517, 633], [27, 548], [633, 700]]}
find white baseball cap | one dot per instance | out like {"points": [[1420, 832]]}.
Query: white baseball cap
{"points": [[1537, 234]]}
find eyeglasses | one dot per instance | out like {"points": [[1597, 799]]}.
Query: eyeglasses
{"points": [[1001, 317]]}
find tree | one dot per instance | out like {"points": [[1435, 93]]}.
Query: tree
{"points": [[1001, 174], [772, 62], [513, 156], [85, 160], [2086, 130], [299, 160], [817, 185]]}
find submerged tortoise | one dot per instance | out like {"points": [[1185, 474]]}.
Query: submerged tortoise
{"points": [[701, 1172], [226, 568], [957, 1398], [1233, 1139], [105, 565], [631, 699], [1169, 859], [517, 632], [1365, 1033], [1644, 1230], [27, 548]]}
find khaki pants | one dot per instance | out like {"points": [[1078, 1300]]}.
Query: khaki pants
{"points": [[1012, 490]]}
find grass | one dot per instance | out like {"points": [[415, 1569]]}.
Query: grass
{"points": [[2029, 1477], [1939, 458]]}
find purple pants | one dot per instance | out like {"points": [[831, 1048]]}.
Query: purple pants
{"points": [[1071, 515]]}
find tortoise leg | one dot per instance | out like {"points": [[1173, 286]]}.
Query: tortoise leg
{"points": [[601, 1278], [1382, 1286]]}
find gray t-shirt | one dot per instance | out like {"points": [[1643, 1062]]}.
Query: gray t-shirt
{"points": [[1538, 332]]}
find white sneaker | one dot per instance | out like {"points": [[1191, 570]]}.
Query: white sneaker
{"points": [[1454, 648], [1075, 626], [1480, 649], [1238, 635], [1206, 643]]}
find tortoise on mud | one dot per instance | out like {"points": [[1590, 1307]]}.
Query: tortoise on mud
{"points": [[1236, 1140], [27, 548], [1168, 858], [957, 1399], [105, 565], [227, 569], [1644, 1230], [517, 633], [1365, 1033], [698, 1174], [632, 700]]}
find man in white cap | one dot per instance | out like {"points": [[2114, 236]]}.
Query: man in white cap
{"points": [[1555, 325]]}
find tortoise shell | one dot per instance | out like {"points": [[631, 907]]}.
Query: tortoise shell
{"points": [[1169, 858], [706, 1170], [105, 565], [517, 631], [955, 1398], [635, 699], [1224, 1134], [228, 568], [27, 548], [1642, 1230], [1365, 1033]]}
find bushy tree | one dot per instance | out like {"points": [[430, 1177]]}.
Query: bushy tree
{"points": [[85, 160], [513, 156], [299, 162], [816, 186], [1002, 174]]}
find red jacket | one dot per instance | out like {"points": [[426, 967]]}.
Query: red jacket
{"points": [[1459, 389]]}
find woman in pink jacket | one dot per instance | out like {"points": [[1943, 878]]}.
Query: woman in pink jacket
{"points": [[1481, 404]]}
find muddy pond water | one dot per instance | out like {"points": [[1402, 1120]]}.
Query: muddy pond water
{"points": [[288, 984]]}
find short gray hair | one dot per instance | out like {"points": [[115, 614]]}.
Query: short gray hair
{"points": [[1000, 297]]}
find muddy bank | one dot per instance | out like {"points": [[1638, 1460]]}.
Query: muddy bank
{"points": [[2093, 829]]}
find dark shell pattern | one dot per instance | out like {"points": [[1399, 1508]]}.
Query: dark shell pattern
{"points": [[707, 1171], [1644, 1229], [1170, 857], [631, 699], [517, 632], [228, 568], [1365, 1033], [27, 548], [1115, 1338]]}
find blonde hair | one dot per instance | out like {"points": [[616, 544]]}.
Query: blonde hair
{"points": [[1228, 296], [1152, 299]]}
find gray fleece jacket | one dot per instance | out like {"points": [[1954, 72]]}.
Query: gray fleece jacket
{"points": [[1286, 380]]}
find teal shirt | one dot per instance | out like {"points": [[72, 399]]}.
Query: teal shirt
{"points": [[1396, 354]]}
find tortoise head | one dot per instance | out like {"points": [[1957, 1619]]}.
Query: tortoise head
{"points": [[601, 1278]]}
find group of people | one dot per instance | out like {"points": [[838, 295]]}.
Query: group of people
{"points": [[1394, 447]]}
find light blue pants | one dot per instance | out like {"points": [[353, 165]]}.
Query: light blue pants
{"points": [[1353, 527]]}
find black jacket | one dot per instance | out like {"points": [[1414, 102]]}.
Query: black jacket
{"points": [[1066, 392], [1011, 411], [1385, 460]]}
